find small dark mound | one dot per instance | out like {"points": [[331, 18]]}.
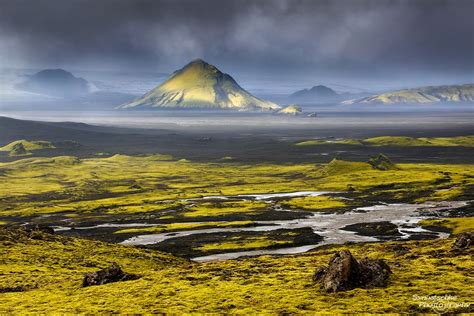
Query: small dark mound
{"points": [[38, 228], [26, 233], [463, 242], [381, 162], [135, 186], [111, 274], [12, 289], [398, 249], [344, 272], [375, 229]]}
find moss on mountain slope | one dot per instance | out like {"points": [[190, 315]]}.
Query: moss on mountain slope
{"points": [[43, 274]]}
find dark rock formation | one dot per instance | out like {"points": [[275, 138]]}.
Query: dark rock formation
{"points": [[382, 229], [26, 233], [464, 241], [18, 150], [344, 272], [381, 162], [31, 228], [111, 274]]}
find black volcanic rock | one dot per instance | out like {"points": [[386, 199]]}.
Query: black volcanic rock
{"points": [[345, 272], [55, 82], [463, 242], [108, 275]]}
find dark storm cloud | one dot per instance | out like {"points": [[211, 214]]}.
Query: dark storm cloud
{"points": [[352, 37]]}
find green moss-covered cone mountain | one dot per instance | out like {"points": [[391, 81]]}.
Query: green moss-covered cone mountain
{"points": [[200, 85]]}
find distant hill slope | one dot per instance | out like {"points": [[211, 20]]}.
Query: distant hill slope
{"points": [[55, 82], [292, 109], [200, 85], [317, 94], [28, 145], [425, 95], [13, 129]]}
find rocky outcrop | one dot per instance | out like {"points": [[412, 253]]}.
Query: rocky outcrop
{"points": [[383, 229], [463, 242], [19, 150], [344, 272], [32, 228], [381, 162], [108, 275]]}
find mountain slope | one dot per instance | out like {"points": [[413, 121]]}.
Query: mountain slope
{"points": [[55, 82], [28, 145], [291, 109], [200, 85], [431, 94]]}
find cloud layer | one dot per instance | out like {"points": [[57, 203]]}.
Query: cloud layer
{"points": [[362, 38]]}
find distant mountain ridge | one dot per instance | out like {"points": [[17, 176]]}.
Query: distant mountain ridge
{"points": [[55, 82], [422, 95], [316, 94], [200, 85]]}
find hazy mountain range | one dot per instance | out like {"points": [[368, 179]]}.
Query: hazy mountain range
{"points": [[423, 95], [55, 82], [202, 85], [316, 94]]}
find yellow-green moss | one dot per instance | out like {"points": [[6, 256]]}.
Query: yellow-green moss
{"points": [[313, 203], [455, 224], [224, 208], [28, 145], [182, 226], [466, 141], [51, 273], [249, 243], [402, 141], [124, 184]]}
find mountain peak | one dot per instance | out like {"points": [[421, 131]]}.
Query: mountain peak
{"points": [[201, 85], [322, 89], [198, 61], [200, 66]]}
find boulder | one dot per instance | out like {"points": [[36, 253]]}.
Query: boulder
{"points": [[111, 274], [464, 241], [344, 272]]}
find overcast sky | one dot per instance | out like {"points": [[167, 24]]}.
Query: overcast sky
{"points": [[337, 40]]}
